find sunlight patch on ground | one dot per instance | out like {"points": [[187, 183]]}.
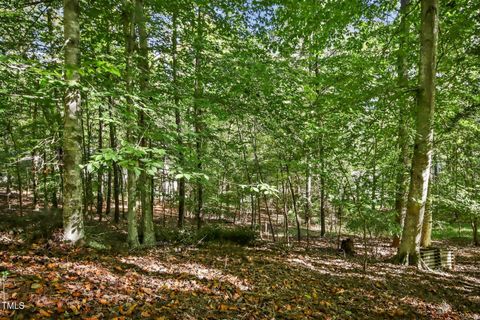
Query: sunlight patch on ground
{"points": [[199, 271]]}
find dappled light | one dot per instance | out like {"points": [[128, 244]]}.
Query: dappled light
{"points": [[246, 159]]}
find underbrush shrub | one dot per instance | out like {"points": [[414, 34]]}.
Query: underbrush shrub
{"points": [[210, 233], [217, 233], [34, 226]]}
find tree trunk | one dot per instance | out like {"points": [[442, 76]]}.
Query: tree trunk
{"points": [[116, 173], [129, 33], [409, 250], [145, 181], [403, 116], [426, 238], [178, 123], [72, 151], [198, 115], [100, 171], [475, 231], [34, 162], [294, 201], [322, 189]]}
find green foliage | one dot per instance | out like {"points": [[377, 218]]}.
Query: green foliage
{"points": [[238, 235], [376, 222], [210, 233], [449, 230]]}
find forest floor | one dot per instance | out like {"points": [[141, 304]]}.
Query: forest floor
{"points": [[214, 281]]}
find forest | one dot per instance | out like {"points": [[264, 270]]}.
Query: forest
{"points": [[239, 159]]}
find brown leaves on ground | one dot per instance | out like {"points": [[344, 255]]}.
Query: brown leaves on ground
{"points": [[231, 282]]}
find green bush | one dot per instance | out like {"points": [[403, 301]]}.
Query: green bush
{"points": [[238, 235], [210, 233]]}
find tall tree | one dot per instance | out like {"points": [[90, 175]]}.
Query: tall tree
{"points": [[403, 116], [72, 150], [144, 181], [409, 251], [198, 112], [129, 34], [178, 119]]}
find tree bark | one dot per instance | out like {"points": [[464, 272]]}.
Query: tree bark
{"points": [[178, 122], [129, 33], [198, 115], [426, 237], [100, 171], [294, 201], [72, 151], [403, 116], [322, 189], [116, 186], [476, 242], [145, 181], [409, 251]]}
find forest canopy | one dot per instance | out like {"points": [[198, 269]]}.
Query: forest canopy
{"points": [[242, 120]]}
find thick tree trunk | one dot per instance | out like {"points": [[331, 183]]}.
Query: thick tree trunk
{"points": [[72, 151], [403, 116], [409, 250]]}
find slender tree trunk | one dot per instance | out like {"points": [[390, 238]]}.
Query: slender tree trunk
{"points": [[45, 175], [198, 115], [18, 172], [374, 175], [100, 171], [72, 151], [259, 172], [426, 237], [178, 122], [294, 201], [116, 173], [89, 176], [308, 194], [285, 212], [409, 251], [247, 174], [129, 33], [403, 117], [108, 199], [322, 189], [34, 162], [145, 181]]}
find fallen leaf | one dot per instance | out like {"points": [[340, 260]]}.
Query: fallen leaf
{"points": [[44, 313], [35, 286]]}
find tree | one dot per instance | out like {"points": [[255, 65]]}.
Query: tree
{"points": [[72, 190], [409, 251], [403, 115], [144, 180], [129, 34]]}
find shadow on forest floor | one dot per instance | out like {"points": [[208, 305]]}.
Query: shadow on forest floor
{"points": [[265, 281]]}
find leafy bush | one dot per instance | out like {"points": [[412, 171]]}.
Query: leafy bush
{"points": [[239, 235], [210, 233]]}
